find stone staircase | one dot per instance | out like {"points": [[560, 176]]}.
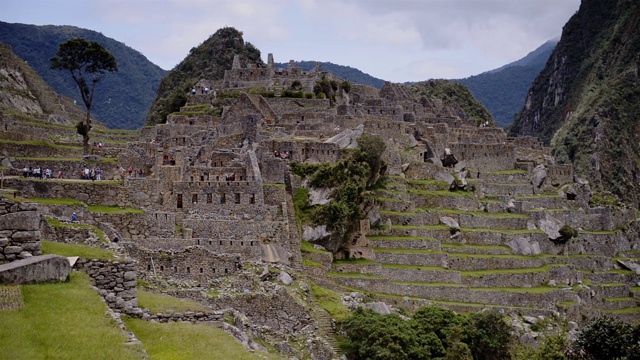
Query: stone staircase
{"points": [[325, 326]]}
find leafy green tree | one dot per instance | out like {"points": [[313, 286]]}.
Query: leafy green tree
{"points": [[609, 338], [489, 336], [85, 60], [371, 149]]}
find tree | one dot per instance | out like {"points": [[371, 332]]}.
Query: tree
{"points": [[85, 60], [490, 336], [608, 338]]}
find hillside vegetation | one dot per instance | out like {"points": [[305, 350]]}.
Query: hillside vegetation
{"points": [[124, 97], [454, 94], [208, 60], [586, 101]]}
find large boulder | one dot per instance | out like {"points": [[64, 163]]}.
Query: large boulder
{"points": [[550, 226], [314, 233], [378, 307], [522, 246], [446, 177], [35, 269], [450, 222], [348, 138], [319, 196], [538, 175], [22, 220], [630, 265]]}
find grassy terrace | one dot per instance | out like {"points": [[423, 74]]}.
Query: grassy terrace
{"points": [[500, 215], [399, 238], [468, 194], [522, 290], [423, 283], [477, 247], [160, 303], [360, 261], [480, 273], [413, 267], [57, 223], [389, 212], [423, 227], [354, 275], [84, 251], [309, 262], [501, 231], [537, 196], [407, 251], [631, 310], [307, 247], [39, 143], [508, 172], [330, 301], [63, 321], [52, 201], [106, 209], [617, 299]]}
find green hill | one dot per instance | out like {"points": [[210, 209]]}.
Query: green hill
{"points": [[122, 99], [586, 101], [209, 60]]}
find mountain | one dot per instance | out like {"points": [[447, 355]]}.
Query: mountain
{"points": [[209, 60], [586, 101], [122, 99], [504, 89], [344, 72]]}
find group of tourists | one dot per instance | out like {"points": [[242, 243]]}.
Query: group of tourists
{"points": [[39, 173], [283, 156], [132, 173], [92, 174]]}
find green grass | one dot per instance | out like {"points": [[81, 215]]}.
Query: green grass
{"points": [[84, 251], [353, 275], [63, 321], [360, 261], [422, 283], [389, 212], [481, 273], [522, 290], [413, 267], [309, 262], [616, 299], [536, 196], [105, 209], [441, 193], [420, 227], [159, 303], [499, 215], [39, 143], [52, 201], [173, 341], [57, 223], [631, 310], [502, 231], [477, 247], [399, 238], [407, 251], [307, 247], [634, 289], [330, 301], [568, 303]]}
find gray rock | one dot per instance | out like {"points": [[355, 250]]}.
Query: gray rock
{"points": [[23, 236], [347, 138], [319, 196], [630, 265], [378, 307], [517, 325], [446, 177], [6, 163], [12, 250], [23, 220], [530, 319], [538, 175], [285, 278], [405, 167], [550, 226], [450, 222], [522, 246], [374, 216], [314, 233], [35, 269]]}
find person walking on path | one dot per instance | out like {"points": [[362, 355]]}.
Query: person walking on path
{"points": [[74, 217]]}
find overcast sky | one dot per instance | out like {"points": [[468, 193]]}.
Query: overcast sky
{"points": [[399, 40]]}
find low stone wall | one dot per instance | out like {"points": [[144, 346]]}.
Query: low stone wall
{"points": [[116, 281], [19, 231]]}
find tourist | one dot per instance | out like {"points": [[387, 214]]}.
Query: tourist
{"points": [[74, 217], [25, 172], [99, 174], [60, 174], [93, 174], [100, 145], [87, 174], [142, 173], [130, 171]]}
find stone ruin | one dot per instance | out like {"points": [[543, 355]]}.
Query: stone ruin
{"points": [[217, 196]]}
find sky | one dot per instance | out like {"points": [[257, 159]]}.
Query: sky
{"points": [[395, 40]]}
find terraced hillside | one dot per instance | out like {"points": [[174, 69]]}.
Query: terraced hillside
{"points": [[492, 253]]}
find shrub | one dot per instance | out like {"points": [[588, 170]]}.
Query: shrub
{"points": [[566, 233]]}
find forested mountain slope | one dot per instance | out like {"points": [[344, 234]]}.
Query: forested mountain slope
{"points": [[586, 101]]}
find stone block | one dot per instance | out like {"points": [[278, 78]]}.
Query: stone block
{"points": [[12, 250], [24, 236], [23, 220], [35, 269]]}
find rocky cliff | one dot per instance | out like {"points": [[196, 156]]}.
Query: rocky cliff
{"points": [[207, 61], [22, 91], [586, 101]]}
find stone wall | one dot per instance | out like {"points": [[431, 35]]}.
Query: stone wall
{"points": [[116, 281], [19, 231]]}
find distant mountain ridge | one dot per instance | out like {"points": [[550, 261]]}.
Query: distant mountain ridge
{"points": [[122, 99], [342, 71], [503, 90]]}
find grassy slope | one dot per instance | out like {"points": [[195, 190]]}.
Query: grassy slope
{"points": [[62, 321]]}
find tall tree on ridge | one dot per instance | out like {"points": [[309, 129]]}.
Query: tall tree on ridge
{"points": [[85, 60]]}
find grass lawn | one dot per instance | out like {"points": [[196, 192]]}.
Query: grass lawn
{"points": [[105, 209], [52, 201], [159, 303], [63, 321], [307, 247], [57, 223], [84, 251]]}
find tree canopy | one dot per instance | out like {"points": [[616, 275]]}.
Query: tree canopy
{"points": [[85, 60]]}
